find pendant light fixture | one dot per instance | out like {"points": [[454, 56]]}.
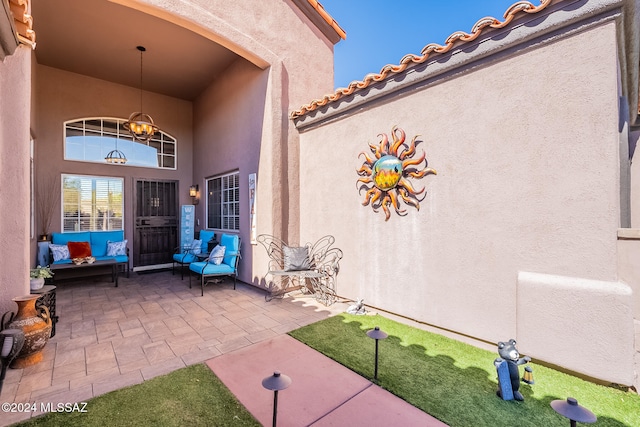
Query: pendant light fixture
{"points": [[140, 125], [116, 156]]}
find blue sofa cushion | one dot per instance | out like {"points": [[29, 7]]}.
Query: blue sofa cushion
{"points": [[99, 241], [118, 258], [206, 269], [76, 236]]}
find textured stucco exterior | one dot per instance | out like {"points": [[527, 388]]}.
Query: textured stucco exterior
{"points": [[239, 123], [15, 134], [62, 96], [524, 135]]}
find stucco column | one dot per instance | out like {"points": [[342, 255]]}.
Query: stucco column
{"points": [[15, 110]]}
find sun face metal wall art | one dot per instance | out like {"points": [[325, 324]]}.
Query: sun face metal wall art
{"points": [[385, 177]]}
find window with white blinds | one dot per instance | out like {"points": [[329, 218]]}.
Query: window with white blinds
{"points": [[91, 203], [223, 202]]}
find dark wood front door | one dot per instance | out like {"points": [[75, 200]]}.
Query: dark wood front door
{"points": [[156, 224]]}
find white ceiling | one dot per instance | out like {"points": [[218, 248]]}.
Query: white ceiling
{"points": [[98, 38]]}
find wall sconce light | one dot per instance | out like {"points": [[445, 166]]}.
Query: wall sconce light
{"points": [[193, 193]]}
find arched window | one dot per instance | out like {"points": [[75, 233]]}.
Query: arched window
{"points": [[91, 139]]}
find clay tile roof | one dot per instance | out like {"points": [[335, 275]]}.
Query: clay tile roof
{"points": [[520, 7], [332, 22], [23, 21]]}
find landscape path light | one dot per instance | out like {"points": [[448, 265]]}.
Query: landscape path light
{"points": [[276, 382], [377, 335], [570, 409]]}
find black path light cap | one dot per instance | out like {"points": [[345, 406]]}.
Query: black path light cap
{"points": [[377, 334], [570, 409], [277, 381]]}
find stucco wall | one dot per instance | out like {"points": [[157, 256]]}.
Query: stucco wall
{"points": [[276, 36], [526, 149], [15, 104], [228, 127], [62, 96]]}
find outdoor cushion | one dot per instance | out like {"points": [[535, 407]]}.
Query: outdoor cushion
{"points": [[184, 258], [99, 240], [217, 254], [59, 252], [116, 248], [205, 238], [75, 236], [201, 267], [196, 247], [79, 249], [232, 245], [118, 258], [296, 258]]}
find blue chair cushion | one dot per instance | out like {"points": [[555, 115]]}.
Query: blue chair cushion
{"points": [[184, 258], [205, 237], [201, 267], [231, 243]]}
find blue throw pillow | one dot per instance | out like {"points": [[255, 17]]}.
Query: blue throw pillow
{"points": [[217, 255], [59, 252], [116, 248]]}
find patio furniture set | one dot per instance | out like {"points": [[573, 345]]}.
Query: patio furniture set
{"points": [[311, 268], [221, 260]]}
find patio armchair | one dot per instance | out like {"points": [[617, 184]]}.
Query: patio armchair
{"points": [[189, 253], [314, 267], [222, 265]]}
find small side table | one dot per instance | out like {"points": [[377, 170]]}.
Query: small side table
{"points": [[48, 299]]}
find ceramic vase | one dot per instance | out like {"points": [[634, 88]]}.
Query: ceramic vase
{"points": [[36, 326], [36, 283]]}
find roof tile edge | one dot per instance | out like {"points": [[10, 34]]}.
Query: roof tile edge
{"points": [[21, 11], [328, 18], [519, 7]]}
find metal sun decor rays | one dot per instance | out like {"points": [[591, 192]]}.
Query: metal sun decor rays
{"points": [[385, 176]]}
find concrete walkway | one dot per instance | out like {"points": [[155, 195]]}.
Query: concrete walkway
{"points": [[322, 392], [108, 338]]}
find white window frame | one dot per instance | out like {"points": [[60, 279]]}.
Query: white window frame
{"points": [[228, 202], [92, 205], [165, 144]]}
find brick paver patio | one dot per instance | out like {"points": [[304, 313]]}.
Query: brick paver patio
{"points": [[109, 338]]}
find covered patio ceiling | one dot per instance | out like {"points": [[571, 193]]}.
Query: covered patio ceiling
{"points": [[98, 38]]}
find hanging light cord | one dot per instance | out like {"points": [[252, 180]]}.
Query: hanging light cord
{"points": [[141, 49]]}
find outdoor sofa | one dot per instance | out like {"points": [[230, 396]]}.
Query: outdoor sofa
{"points": [[104, 245]]}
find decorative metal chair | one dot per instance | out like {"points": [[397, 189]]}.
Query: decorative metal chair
{"points": [[317, 275]]}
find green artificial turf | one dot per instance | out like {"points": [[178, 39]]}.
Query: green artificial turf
{"points": [[456, 382], [191, 396]]}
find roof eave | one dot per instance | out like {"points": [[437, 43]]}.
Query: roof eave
{"points": [[321, 19]]}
